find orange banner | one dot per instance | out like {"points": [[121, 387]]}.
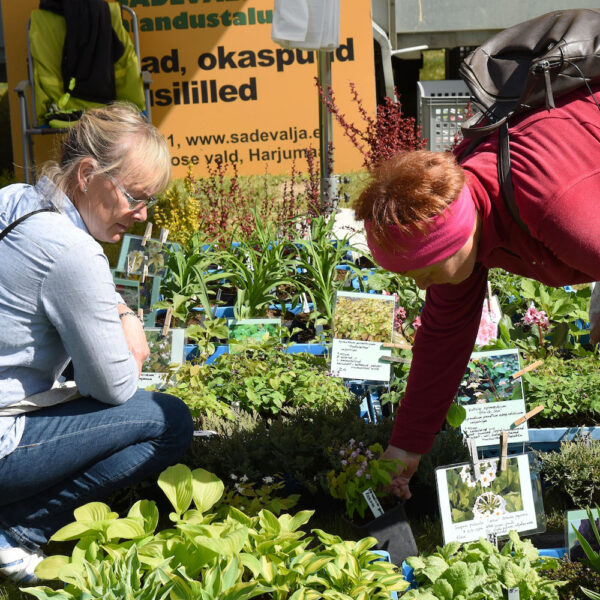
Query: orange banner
{"points": [[222, 89]]}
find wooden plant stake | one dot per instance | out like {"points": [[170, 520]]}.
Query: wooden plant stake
{"points": [[527, 416], [528, 368], [147, 234], [167, 324], [399, 345], [503, 450], [395, 359], [164, 234], [140, 313]]}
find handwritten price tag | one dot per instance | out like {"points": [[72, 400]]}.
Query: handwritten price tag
{"points": [[373, 502]]}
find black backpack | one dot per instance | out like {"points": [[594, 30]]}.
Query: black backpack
{"points": [[526, 67]]}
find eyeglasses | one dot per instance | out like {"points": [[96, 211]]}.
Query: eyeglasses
{"points": [[131, 201]]}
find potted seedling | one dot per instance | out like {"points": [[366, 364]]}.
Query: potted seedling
{"points": [[362, 482]]}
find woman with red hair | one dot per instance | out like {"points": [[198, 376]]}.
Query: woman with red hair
{"points": [[445, 224]]}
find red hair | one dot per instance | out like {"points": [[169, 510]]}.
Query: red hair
{"points": [[408, 189]]}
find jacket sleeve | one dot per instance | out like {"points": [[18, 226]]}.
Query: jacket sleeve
{"points": [[78, 295], [443, 345]]}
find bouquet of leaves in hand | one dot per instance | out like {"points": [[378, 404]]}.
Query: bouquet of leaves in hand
{"points": [[360, 468]]}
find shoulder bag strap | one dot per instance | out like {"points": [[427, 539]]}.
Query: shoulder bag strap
{"points": [[8, 229], [505, 177]]}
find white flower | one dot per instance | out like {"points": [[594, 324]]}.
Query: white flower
{"points": [[465, 475], [234, 477], [244, 478], [487, 505], [239, 488], [268, 479]]}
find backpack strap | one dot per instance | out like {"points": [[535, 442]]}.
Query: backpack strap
{"points": [[505, 177], [8, 229]]}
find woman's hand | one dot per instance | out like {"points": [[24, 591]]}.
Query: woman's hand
{"points": [[399, 485], [134, 336]]}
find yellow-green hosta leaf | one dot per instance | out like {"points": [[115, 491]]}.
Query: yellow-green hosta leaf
{"points": [[269, 521], [51, 566], [251, 562], [207, 489], [267, 569], [299, 519], [318, 564], [176, 483], [364, 544], [94, 511], [127, 529], [73, 531], [146, 511], [43, 592], [228, 545]]}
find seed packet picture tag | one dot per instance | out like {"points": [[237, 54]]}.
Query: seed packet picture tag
{"points": [[492, 398], [362, 323], [493, 503], [166, 351]]}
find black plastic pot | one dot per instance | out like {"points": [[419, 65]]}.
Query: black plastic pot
{"points": [[393, 533]]}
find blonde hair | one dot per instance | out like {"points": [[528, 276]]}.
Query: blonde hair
{"points": [[408, 189], [121, 142]]}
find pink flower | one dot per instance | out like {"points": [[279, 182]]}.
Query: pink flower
{"points": [[399, 318], [536, 317], [416, 323]]}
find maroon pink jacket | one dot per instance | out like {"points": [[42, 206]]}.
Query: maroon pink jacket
{"points": [[556, 174]]}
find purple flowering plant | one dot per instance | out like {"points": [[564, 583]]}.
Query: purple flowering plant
{"points": [[360, 468]]}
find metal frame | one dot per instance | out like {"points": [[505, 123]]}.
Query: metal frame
{"points": [[29, 123]]}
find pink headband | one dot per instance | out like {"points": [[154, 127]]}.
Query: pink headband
{"points": [[447, 233]]}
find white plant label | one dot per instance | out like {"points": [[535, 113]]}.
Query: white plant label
{"points": [[373, 502], [513, 594]]}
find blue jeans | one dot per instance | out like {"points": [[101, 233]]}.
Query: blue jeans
{"points": [[81, 452]]}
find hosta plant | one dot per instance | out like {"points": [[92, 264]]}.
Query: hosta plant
{"points": [[479, 571], [208, 558]]}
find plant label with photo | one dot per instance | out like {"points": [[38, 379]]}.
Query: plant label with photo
{"points": [[134, 255], [492, 398], [242, 331], [373, 502], [129, 290], [496, 502], [362, 324], [513, 594], [577, 520], [165, 351]]}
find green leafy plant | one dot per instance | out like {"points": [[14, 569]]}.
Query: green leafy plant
{"points": [[569, 390], [360, 468], [261, 379], [575, 470], [479, 571], [190, 280], [257, 268], [295, 444], [205, 557], [204, 336], [317, 260], [575, 576]]}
